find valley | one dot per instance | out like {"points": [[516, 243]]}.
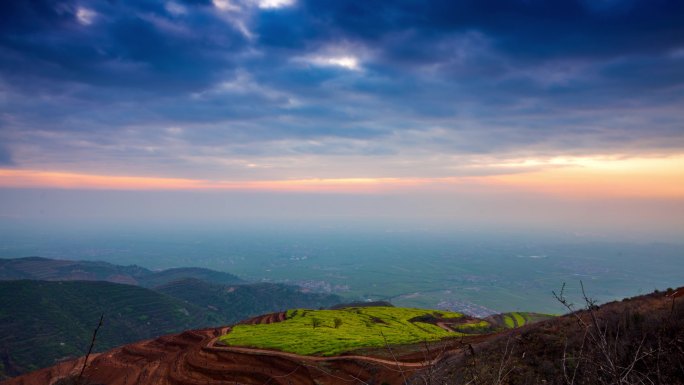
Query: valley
{"points": [[434, 268]]}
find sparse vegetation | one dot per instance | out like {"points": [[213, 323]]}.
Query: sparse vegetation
{"points": [[633, 341]]}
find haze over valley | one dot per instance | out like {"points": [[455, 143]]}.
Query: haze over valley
{"points": [[475, 272]]}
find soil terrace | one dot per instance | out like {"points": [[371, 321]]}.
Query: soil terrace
{"points": [[194, 358]]}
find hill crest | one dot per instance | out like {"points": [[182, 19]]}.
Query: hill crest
{"points": [[45, 269]]}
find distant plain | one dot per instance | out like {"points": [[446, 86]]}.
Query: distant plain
{"points": [[452, 269]]}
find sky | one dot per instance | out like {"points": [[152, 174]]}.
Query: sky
{"points": [[565, 114]]}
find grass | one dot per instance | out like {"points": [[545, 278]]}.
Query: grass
{"points": [[514, 319], [519, 319], [473, 328], [362, 327], [509, 321]]}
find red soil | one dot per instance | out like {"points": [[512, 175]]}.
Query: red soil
{"points": [[194, 358], [191, 358], [265, 319]]}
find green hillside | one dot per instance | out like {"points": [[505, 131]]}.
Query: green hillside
{"points": [[44, 321], [234, 303], [517, 319], [330, 332], [41, 321], [157, 278]]}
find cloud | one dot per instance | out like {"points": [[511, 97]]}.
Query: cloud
{"points": [[175, 9], [85, 16], [565, 177], [136, 45], [346, 62], [5, 157], [274, 4], [388, 89]]}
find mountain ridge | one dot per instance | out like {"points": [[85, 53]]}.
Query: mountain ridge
{"points": [[48, 269]]}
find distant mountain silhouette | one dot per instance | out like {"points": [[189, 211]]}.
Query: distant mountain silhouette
{"points": [[66, 270]]}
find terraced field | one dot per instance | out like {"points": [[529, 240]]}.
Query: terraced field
{"points": [[516, 319], [190, 358], [331, 332]]}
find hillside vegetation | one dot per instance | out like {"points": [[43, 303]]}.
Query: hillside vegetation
{"points": [[233, 303], [42, 322], [330, 332], [633, 341], [516, 319], [45, 321]]}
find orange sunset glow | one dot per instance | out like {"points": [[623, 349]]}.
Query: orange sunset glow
{"points": [[644, 177]]}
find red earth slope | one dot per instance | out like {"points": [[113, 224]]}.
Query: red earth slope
{"points": [[192, 358]]}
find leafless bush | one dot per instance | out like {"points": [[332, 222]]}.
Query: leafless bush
{"points": [[621, 347]]}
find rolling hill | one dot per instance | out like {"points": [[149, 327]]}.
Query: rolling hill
{"points": [[64, 270], [331, 332], [42, 322], [233, 303]]}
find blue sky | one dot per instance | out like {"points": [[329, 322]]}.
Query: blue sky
{"points": [[218, 93]]}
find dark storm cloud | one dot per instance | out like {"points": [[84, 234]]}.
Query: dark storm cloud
{"points": [[452, 76], [525, 28], [120, 44]]}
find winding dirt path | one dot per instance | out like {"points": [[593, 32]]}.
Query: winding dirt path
{"points": [[275, 353]]}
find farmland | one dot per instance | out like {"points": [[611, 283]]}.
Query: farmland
{"points": [[331, 332], [517, 319]]}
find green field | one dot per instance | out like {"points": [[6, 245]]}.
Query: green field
{"points": [[361, 327], [518, 319], [473, 328]]}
